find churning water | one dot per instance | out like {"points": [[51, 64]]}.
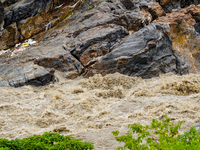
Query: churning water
{"points": [[90, 109]]}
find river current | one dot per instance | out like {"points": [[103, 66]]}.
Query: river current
{"points": [[90, 109]]}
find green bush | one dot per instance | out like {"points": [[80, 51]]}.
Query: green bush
{"points": [[47, 141], [159, 136]]}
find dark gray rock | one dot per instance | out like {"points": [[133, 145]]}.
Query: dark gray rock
{"points": [[169, 6], [24, 9], [96, 31], [7, 3], [62, 62], [146, 53], [128, 4], [185, 3], [197, 27], [1, 16]]}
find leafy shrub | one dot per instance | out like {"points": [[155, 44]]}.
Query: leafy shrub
{"points": [[47, 141], [158, 136]]}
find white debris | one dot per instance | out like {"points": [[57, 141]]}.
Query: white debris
{"points": [[30, 42], [19, 47]]}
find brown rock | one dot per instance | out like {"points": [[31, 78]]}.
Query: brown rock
{"points": [[34, 25], [156, 10], [184, 37], [31, 26], [164, 2], [176, 17], [9, 36], [3, 38], [99, 41]]}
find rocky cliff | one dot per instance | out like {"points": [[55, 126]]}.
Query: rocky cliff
{"points": [[134, 37]]}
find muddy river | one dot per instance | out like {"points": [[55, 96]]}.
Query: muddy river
{"points": [[90, 109]]}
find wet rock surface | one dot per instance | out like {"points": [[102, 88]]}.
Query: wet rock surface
{"points": [[101, 37]]}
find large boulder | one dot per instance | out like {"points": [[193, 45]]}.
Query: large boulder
{"points": [[93, 33], [146, 53], [20, 74]]}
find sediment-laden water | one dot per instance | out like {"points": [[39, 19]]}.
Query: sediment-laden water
{"points": [[90, 109]]}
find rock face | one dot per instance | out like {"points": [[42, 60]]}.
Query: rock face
{"points": [[101, 37]]}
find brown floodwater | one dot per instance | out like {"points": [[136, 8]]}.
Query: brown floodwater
{"points": [[90, 109]]}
